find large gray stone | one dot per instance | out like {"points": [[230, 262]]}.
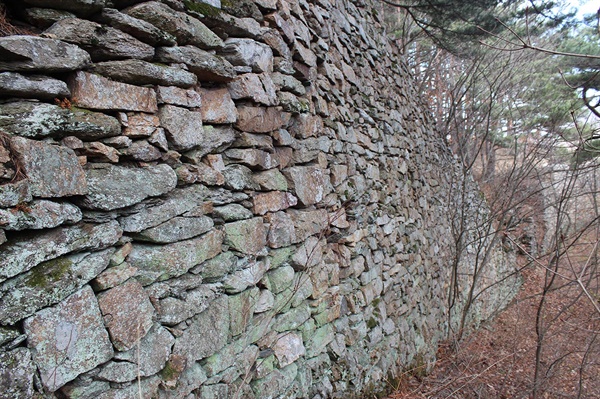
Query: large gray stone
{"points": [[247, 52], [127, 313], [44, 17], [35, 86], [207, 333], [153, 351], [101, 42], [288, 348], [177, 96], [183, 127], [216, 138], [173, 311], [310, 183], [39, 214], [161, 262], [97, 92], [12, 194], [207, 67], [175, 203], [48, 283], [275, 383], [259, 88], [187, 29], [68, 339], [176, 229], [16, 374], [52, 171], [112, 187], [138, 28], [80, 7], [240, 280], [37, 54], [138, 72], [38, 120], [23, 253], [246, 236]]}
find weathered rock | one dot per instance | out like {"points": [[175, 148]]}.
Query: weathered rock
{"points": [[207, 333], [281, 230], [2, 237], [52, 171], [22, 254], [12, 194], [207, 67], [186, 29], [45, 17], [176, 229], [127, 314], [241, 310], [308, 223], [175, 203], [96, 92], [239, 177], [247, 52], [35, 86], [278, 279], [173, 311], [310, 183], [275, 383], [240, 280], [100, 152], [113, 276], [250, 140], [142, 150], [273, 201], [138, 28], [153, 353], [68, 339], [259, 88], [48, 283], [158, 263], [293, 104], [288, 348], [39, 214], [80, 7], [146, 388], [112, 187], [139, 125], [232, 212], [261, 120], [246, 236], [306, 125], [17, 371], [36, 54], [100, 41], [253, 158], [288, 83], [217, 107], [214, 269], [271, 180], [265, 301], [200, 173], [138, 72], [177, 96], [182, 126], [37, 120], [216, 138]]}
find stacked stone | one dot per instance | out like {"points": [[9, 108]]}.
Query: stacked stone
{"points": [[224, 200]]}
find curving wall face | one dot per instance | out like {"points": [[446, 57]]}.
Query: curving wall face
{"points": [[241, 199]]}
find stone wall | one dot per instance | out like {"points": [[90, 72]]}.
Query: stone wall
{"points": [[235, 200]]}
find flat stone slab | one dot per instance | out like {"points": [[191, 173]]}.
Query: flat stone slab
{"points": [[176, 229], [138, 28], [35, 86], [52, 171], [68, 339], [48, 283], [162, 262], [23, 253], [217, 107], [261, 119], [37, 54], [246, 236], [182, 126], [97, 92], [207, 67], [113, 187], [38, 120], [310, 183], [39, 214], [138, 72], [127, 313], [187, 29], [17, 371], [80, 7], [100, 41], [248, 52]]}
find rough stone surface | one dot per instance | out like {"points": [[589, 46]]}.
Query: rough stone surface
{"points": [[206, 66], [112, 187], [22, 254], [17, 370], [138, 28], [37, 54], [154, 351], [101, 42], [177, 96], [68, 339], [176, 229], [247, 52], [187, 29], [158, 263], [247, 236], [96, 92], [217, 106], [273, 202], [127, 314], [183, 127], [52, 171], [81, 7], [260, 119], [259, 88], [36, 86], [138, 72], [309, 183], [40, 214]]}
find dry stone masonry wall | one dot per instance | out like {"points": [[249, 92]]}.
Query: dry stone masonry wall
{"points": [[241, 199]]}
